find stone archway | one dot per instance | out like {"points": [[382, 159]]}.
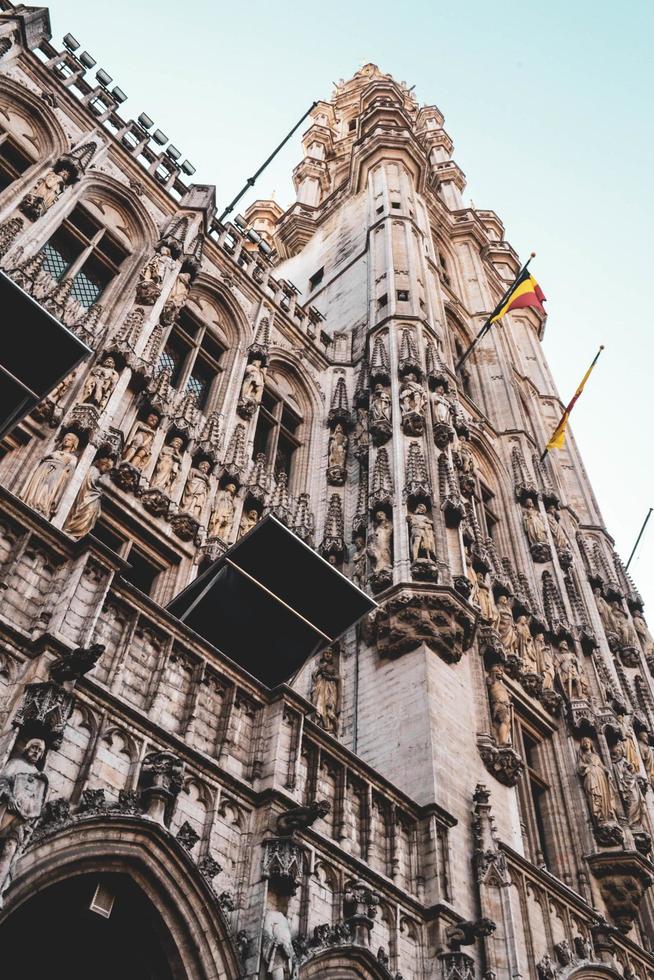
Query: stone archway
{"points": [[163, 909], [344, 963]]}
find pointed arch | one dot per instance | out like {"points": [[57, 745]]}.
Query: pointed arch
{"points": [[49, 140], [344, 963], [160, 868]]}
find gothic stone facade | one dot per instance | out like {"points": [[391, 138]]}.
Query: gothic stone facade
{"points": [[461, 788]]}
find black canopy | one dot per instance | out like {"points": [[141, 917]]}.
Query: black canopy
{"points": [[270, 602], [37, 352]]}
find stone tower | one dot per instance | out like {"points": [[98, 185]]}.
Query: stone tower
{"points": [[462, 786]]}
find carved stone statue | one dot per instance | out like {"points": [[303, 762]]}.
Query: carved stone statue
{"points": [[628, 740], [337, 455], [326, 692], [533, 524], [196, 490], [644, 635], [604, 611], [595, 780], [506, 625], [87, 505], [254, 380], [545, 661], [465, 459], [46, 191], [168, 466], [222, 517], [380, 406], [176, 298], [45, 487], [627, 636], [139, 444], [489, 611], [412, 405], [473, 578], [647, 755], [559, 537], [277, 953], [571, 672], [440, 406], [500, 705], [23, 788], [525, 646], [100, 382], [152, 276], [360, 434], [626, 776], [359, 562], [380, 543], [248, 520], [421, 534]]}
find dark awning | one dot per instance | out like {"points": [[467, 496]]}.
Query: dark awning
{"points": [[270, 602], [37, 352]]}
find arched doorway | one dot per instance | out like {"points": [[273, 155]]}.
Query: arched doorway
{"points": [[62, 932]]}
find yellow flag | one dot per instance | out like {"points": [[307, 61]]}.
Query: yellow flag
{"points": [[557, 439]]}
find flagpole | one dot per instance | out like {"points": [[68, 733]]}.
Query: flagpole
{"points": [[251, 180], [570, 405], [633, 550], [487, 324]]}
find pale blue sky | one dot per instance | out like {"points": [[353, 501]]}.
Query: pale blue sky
{"points": [[550, 109]]}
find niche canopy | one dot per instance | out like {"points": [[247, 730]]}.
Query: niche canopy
{"points": [[270, 602], [37, 354]]}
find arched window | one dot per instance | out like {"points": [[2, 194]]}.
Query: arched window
{"points": [[193, 353], [283, 422], [14, 159]]}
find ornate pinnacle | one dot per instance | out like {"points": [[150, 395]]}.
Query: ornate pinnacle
{"points": [[382, 482], [174, 236], [57, 300], [9, 231], [553, 605], [304, 522], [87, 328], [281, 502], [360, 522], [523, 481], [333, 542], [259, 478], [417, 479], [193, 258], [80, 157], [362, 388], [409, 361], [380, 370], [436, 372], [261, 343], [340, 409], [234, 461], [27, 272]]}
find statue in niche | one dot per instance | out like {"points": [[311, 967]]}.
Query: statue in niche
{"points": [[337, 455], [47, 190], [58, 393], [440, 406], [595, 780], [500, 705], [559, 537], [326, 692], [359, 562], [604, 611], [152, 276], [533, 524], [248, 520], [45, 487], [627, 636], [626, 736], [627, 780], [489, 611], [138, 450], [196, 491], [254, 380], [412, 405], [421, 534], [380, 407], [506, 625], [473, 578], [277, 952], [168, 466], [222, 516], [644, 635], [176, 298], [380, 543], [99, 383], [87, 505], [360, 433], [647, 755], [571, 672], [545, 661], [464, 459], [525, 646], [23, 788]]}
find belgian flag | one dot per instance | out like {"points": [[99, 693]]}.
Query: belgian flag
{"points": [[525, 292]]}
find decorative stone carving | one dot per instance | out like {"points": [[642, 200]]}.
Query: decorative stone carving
{"points": [[326, 692], [92, 802], [252, 387], [441, 414], [301, 817], [502, 762], [222, 516], [152, 275], [559, 537], [48, 189], [571, 673], [413, 401], [452, 503], [623, 880], [536, 532], [627, 641], [100, 382], [187, 836], [45, 487], [381, 428], [209, 868], [546, 968], [138, 448], [466, 466], [248, 519], [501, 705], [506, 626], [168, 466], [282, 865], [360, 435], [626, 777], [332, 546], [277, 953], [87, 505], [380, 372], [337, 456], [9, 232], [44, 710], [381, 490], [176, 297], [422, 544], [644, 635], [23, 788], [379, 550], [196, 490], [339, 411], [599, 794], [360, 905], [359, 562], [647, 755], [440, 619], [161, 781], [417, 486], [74, 664]]}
